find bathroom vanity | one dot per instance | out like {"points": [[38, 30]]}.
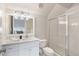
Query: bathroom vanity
{"points": [[26, 47], [19, 38]]}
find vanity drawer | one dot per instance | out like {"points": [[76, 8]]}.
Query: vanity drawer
{"points": [[11, 50], [22, 49]]}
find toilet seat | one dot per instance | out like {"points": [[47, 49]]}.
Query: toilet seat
{"points": [[48, 51]]}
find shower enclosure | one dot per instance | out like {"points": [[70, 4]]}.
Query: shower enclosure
{"points": [[64, 34]]}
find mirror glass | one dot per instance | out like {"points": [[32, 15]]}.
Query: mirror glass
{"points": [[19, 25], [29, 26], [22, 25]]}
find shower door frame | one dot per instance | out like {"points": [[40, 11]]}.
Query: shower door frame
{"points": [[66, 33], [67, 37]]}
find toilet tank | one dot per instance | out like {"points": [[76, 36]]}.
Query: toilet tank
{"points": [[43, 43]]}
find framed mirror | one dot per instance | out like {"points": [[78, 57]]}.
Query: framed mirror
{"points": [[30, 25], [18, 25], [22, 25]]}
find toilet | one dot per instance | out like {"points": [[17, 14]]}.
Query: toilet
{"points": [[45, 51]]}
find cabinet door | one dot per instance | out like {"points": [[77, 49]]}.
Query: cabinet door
{"points": [[12, 50], [34, 51], [29, 49], [24, 49], [74, 34], [34, 48]]}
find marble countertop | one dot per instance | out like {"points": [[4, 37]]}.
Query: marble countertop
{"points": [[9, 41]]}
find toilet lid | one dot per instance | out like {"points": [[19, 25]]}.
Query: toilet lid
{"points": [[48, 50]]}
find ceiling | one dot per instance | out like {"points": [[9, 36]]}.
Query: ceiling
{"points": [[43, 8], [32, 7], [66, 5]]}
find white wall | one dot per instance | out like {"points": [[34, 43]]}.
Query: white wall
{"points": [[40, 24], [41, 27], [56, 11], [40, 15]]}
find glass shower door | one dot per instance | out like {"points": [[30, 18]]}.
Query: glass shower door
{"points": [[53, 34], [62, 24], [74, 34], [58, 35]]}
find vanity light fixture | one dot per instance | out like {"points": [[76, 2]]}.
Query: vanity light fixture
{"points": [[22, 15]]}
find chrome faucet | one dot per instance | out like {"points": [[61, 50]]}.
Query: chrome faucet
{"points": [[20, 36]]}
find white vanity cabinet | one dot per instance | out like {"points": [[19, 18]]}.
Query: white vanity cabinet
{"points": [[29, 48], [11, 50]]}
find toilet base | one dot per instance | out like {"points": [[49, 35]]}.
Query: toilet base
{"points": [[43, 53]]}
